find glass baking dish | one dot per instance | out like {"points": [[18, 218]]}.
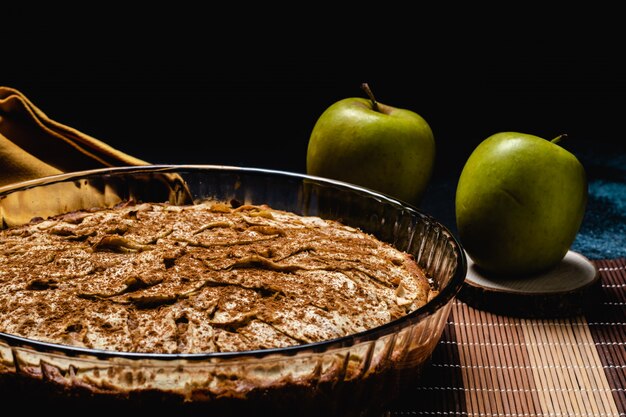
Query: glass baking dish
{"points": [[354, 375]]}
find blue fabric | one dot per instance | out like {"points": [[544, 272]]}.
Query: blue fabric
{"points": [[603, 232]]}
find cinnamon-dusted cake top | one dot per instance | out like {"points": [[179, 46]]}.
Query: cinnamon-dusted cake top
{"points": [[207, 277]]}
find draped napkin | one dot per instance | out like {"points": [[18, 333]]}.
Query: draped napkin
{"points": [[32, 145]]}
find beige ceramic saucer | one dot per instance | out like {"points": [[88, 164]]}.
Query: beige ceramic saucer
{"points": [[567, 289]]}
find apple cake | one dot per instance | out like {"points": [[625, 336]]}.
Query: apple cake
{"points": [[209, 277]]}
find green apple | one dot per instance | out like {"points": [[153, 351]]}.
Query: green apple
{"points": [[373, 145], [520, 201]]}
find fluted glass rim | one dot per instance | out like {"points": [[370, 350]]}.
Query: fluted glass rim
{"points": [[444, 296]]}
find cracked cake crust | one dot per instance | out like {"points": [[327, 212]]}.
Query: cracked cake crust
{"points": [[209, 277]]}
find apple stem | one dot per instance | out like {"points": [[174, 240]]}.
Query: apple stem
{"points": [[369, 93], [558, 138]]}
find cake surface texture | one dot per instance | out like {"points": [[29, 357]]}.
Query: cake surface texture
{"points": [[208, 277]]}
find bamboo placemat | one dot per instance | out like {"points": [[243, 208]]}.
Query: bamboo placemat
{"points": [[498, 366]]}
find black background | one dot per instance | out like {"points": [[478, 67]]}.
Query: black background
{"points": [[217, 89]]}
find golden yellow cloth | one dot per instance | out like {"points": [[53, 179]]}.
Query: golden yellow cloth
{"points": [[33, 146]]}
